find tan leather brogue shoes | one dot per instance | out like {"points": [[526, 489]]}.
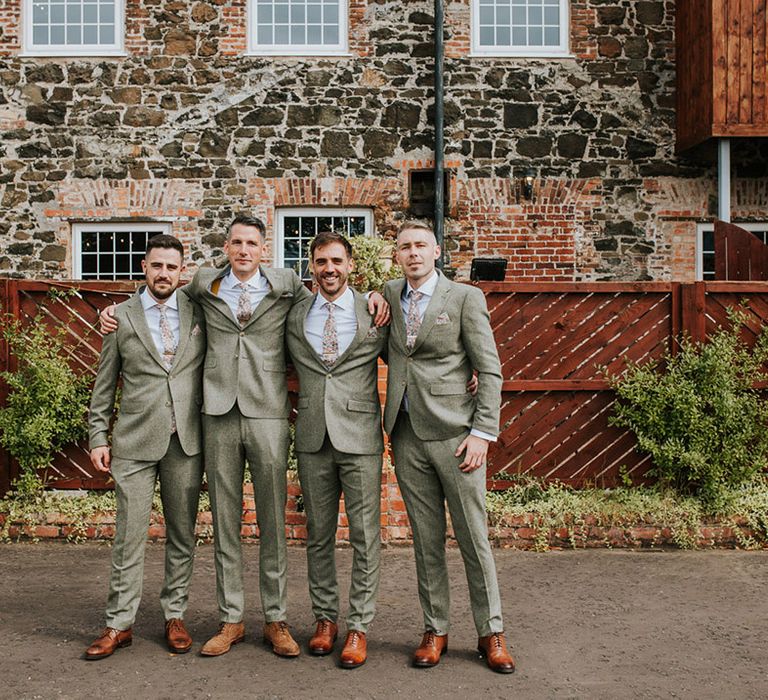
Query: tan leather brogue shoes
{"points": [[432, 647], [279, 637], [108, 642], [229, 633], [323, 639], [494, 649]]}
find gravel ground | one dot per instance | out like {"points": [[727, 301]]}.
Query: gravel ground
{"points": [[584, 624]]}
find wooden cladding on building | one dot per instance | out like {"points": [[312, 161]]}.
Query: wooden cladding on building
{"points": [[722, 69]]}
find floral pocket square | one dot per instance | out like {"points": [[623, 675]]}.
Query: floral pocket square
{"points": [[372, 334], [196, 330], [443, 319]]}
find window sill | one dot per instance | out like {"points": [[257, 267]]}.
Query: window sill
{"points": [[527, 56], [69, 54], [298, 54]]}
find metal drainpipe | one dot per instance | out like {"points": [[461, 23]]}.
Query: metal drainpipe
{"points": [[439, 136], [724, 180]]}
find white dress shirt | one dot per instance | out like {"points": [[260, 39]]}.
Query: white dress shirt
{"points": [[257, 286], [428, 290], [344, 315], [152, 314]]}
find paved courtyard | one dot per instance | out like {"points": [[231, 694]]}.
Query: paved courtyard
{"points": [[586, 624]]}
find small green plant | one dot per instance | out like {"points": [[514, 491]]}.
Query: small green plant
{"points": [[373, 263], [699, 415], [47, 400]]}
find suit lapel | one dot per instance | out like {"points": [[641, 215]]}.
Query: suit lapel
{"points": [[138, 321], [185, 323], [219, 304], [398, 319], [300, 321], [434, 309], [361, 313], [274, 293]]}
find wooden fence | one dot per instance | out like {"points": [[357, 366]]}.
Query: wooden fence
{"points": [[554, 339]]}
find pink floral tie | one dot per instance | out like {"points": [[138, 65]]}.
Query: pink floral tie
{"points": [[413, 321], [330, 336]]}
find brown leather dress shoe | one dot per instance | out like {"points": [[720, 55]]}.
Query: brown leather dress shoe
{"points": [[108, 642], [432, 647], [277, 635], [322, 640], [176, 636], [494, 649], [355, 650], [229, 633]]}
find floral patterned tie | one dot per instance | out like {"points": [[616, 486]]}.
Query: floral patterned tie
{"points": [[413, 321], [244, 308], [330, 336], [169, 349], [166, 334]]}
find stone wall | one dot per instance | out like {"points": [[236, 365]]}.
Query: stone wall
{"points": [[187, 128]]}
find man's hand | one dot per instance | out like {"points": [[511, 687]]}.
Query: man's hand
{"points": [[477, 451], [107, 320], [472, 385], [101, 458], [379, 309]]}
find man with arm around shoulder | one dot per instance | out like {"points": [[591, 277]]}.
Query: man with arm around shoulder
{"points": [[158, 352], [440, 335]]}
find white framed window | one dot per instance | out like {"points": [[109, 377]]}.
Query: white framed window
{"points": [[73, 27], [298, 226], [298, 27], [112, 251], [520, 28], [705, 246]]}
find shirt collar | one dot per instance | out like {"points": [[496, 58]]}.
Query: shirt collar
{"points": [[346, 301], [254, 282], [427, 289], [148, 301]]}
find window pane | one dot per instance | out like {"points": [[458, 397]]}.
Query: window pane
{"points": [[264, 36], [291, 226], [107, 12], [90, 34], [39, 13], [502, 15], [106, 264], [297, 13], [331, 35], [122, 241], [282, 34], [291, 248], [314, 14], [552, 36], [281, 13], [324, 223], [518, 16], [298, 35], [91, 14], [136, 259], [552, 15], [88, 264], [502, 36], [73, 13], [535, 15], [107, 35], [39, 36], [122, 264], [57, 34], [314, 34], [356, 225], [708, 240], [331, 14], [487, 36], [519, 37], [308, 226], [535, 37], [74, 35], [57, 14], [106, 241], [264, 14]]}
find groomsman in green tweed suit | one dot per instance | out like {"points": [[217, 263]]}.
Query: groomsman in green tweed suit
{"points": [[440, 335], [245, 413], [335, 347], [158, 352]]}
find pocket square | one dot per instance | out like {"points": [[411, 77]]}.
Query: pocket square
{"points": [[286, 295], [442, 319], [196, 330], [372, 334]]}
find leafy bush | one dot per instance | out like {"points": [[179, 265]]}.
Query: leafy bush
{"points": [[698, 414], [47, 400], [373, 263]]}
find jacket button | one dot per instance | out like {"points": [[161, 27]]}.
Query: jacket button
{"points": [[241, 334], [168, 403], [329, 376]]}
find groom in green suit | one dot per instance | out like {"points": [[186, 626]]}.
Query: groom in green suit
{"points": [[158, 352], [335, 348], [440, 335]]}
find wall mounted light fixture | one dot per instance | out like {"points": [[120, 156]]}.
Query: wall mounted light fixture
{"points": [[528, 180]]}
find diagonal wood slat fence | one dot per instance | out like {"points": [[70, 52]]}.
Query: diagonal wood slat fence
{"points": [[553, 339]]}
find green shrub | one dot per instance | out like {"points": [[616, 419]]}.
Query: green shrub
{"points": [[47, 401], [373, 263], [698, 414]]}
